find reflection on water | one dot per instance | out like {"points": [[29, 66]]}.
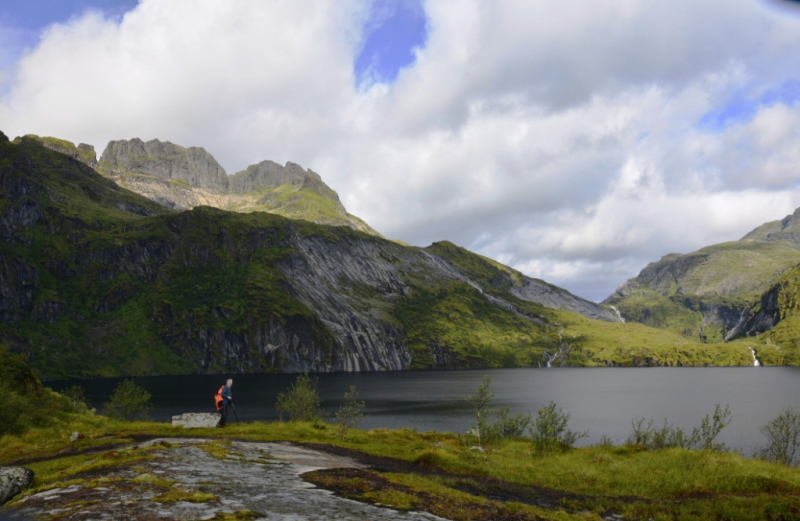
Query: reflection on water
{"points": [[602, 400]]}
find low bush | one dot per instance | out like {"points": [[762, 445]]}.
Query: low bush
{"points": [[128, 401], [301, 402], [667, 437], [550, 431], [783, 438]]}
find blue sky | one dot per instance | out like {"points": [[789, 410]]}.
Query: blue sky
{"points": [[393, 30], [575, 141]]}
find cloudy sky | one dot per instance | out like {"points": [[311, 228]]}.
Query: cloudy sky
{"points": [[576, 141]]}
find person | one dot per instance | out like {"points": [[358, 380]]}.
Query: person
{"points": [[222, 399]]}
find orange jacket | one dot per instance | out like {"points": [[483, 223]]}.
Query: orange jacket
{"points": [[218, 399]]}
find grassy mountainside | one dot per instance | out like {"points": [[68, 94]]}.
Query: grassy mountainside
{"points": [[98, 281], [705, 294]]}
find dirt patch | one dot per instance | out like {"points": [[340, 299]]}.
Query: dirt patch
{"points": [[369, 486], [486, 487]]}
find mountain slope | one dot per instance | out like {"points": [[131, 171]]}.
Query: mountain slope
{"points": [[705, 294], [98, 281]]}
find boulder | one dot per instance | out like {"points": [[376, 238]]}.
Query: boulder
{"points": [[13, 480], [194, 420], [76, 436]]}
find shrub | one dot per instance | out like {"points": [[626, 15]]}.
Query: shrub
{"points": [[77, 396], [492, 425], [702, 438], [711, 427], [783, 438], [550, 433], [128, 401], [301, 402], [479, 403], [507, 425], [349, 414]]}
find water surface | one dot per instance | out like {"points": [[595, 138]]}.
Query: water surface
{"points": [[600, 400]]}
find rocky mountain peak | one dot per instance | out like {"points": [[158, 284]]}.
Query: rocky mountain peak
{"points": [[267, 174], [787, 230], [166, 160], [83, 152]]}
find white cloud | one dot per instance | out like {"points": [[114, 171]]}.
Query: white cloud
{"points": [[561, 137]]}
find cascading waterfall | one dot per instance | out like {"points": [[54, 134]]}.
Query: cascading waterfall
{"points": [[756, 362], [619, 316]]}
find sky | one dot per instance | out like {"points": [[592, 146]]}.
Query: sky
{"points": [[575, 141]]}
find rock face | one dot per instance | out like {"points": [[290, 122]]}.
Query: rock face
{"points": [[13, 480], [196, 420], [533, 290], [184, 178], [193, 165]]}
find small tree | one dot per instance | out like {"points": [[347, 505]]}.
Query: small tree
{"points": [[349, 414], [77, 396], [783, 438], [710, 428], [128, 401], [549, 430], [301, 402], [479, 403]]}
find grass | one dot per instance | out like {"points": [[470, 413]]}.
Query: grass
{"points": [[661, 484]]}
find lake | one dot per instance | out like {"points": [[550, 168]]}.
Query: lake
{"points": [[600, 400]]}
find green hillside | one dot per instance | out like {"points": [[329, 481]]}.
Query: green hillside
{"points": [[98, 281]]}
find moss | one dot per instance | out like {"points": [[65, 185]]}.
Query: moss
{"points": [[180, 494]]}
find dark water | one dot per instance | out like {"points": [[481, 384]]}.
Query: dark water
{"points": [[600, 400]]}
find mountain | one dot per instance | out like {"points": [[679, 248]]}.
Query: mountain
{"points": [[185, 178], [96, 280], [720, 292]]}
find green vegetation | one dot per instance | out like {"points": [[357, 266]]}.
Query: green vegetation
{"points": [[444, 477], [543, 477], [550, 431], [118, 285], [668, 437], [783, 438], [128, 401], [301, 402], [26, 402], [349, 413]]}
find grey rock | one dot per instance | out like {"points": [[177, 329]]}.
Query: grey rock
{"points": [[193, 166], [195, 420], [268, 174], [14, 480], [76, 436]]}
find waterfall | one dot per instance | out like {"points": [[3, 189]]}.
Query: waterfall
{"points": [[619, 316], [756, 362]]}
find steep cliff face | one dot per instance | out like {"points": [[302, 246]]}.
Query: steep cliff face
{"points": [[182, 179], [165, 160]]}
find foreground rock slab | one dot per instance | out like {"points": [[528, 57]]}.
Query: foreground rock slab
{"points": [[14, 480], [195, 479], [195, 420]]}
